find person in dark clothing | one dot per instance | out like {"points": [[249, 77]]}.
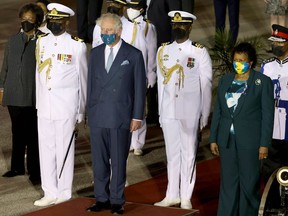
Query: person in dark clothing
{"points": [[220, 15], [87, 13], [17, 81], [188, 5]]}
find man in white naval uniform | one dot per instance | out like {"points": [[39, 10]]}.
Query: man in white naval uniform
{"points": [[141, 34], [277, 69], [184, 73], [61, 80]]}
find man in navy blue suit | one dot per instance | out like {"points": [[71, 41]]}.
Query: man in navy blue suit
{"points": [[115, 105]]}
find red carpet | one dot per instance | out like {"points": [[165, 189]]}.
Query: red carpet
{"points": [[140, 197], [205, 195], [76, 207]]}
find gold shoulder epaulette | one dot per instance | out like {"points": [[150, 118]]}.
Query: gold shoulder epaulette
{"points": [[42, 35], [269, 60], [197, 45], [77, 38], [166, 43], [147, 20]]}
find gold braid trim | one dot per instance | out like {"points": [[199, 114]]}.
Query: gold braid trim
{"points": [[167, 72], [42, 65], [134, 33], [146, 28]]}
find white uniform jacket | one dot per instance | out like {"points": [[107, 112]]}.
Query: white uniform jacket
{"points": [[142, 35], [61, 77], [186, 93], [277, 70]]}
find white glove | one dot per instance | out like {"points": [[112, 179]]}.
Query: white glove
{"points": [[79, 118], [150, 85], [203, 121], [151, 79]]}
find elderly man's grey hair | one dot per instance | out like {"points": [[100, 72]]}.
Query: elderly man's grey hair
{"points": [[115, 17]]}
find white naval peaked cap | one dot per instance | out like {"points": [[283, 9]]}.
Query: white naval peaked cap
{"points": [[181, 16], [59, 11]]}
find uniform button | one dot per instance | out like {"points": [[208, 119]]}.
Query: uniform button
{"points": [[176, 84], [177, 60], [180, 49], [53, 55], [49, 89], [55, 44], [49, 77], [176, 95]]}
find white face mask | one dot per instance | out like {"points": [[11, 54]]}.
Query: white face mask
{"points": [[133, 13]]}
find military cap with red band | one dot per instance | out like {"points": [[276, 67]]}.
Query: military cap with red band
{"points": [[279, 34]]}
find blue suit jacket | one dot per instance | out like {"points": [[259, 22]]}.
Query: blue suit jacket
{"points": [[253, 117], [117, 97]]}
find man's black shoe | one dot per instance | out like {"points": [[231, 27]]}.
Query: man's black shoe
{"points": [[12, 173], [117, 209], [99, 206]]}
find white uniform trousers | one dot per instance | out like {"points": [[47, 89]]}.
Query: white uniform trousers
{"points": [[139, 136], [54, 138], [181, 144]]}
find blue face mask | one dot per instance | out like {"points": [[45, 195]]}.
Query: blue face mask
{"points": [[108, 38]]}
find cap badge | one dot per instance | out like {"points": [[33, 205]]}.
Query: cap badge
{"points": [[54, 12], [177, 17], [276, 32]]}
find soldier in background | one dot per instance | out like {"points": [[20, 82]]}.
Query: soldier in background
{"points": [[141, 34], [184, 72], [43, 4], [61, 80], [87, 13], [277, 69]]}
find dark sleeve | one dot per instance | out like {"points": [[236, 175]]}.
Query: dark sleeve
{"points": [[174, 4], [267, 103], [139, 86], [89, 78], [4, 69], [215, 117]]}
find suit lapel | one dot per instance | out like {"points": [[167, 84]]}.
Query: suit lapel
{"points": [[101, 60]]}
